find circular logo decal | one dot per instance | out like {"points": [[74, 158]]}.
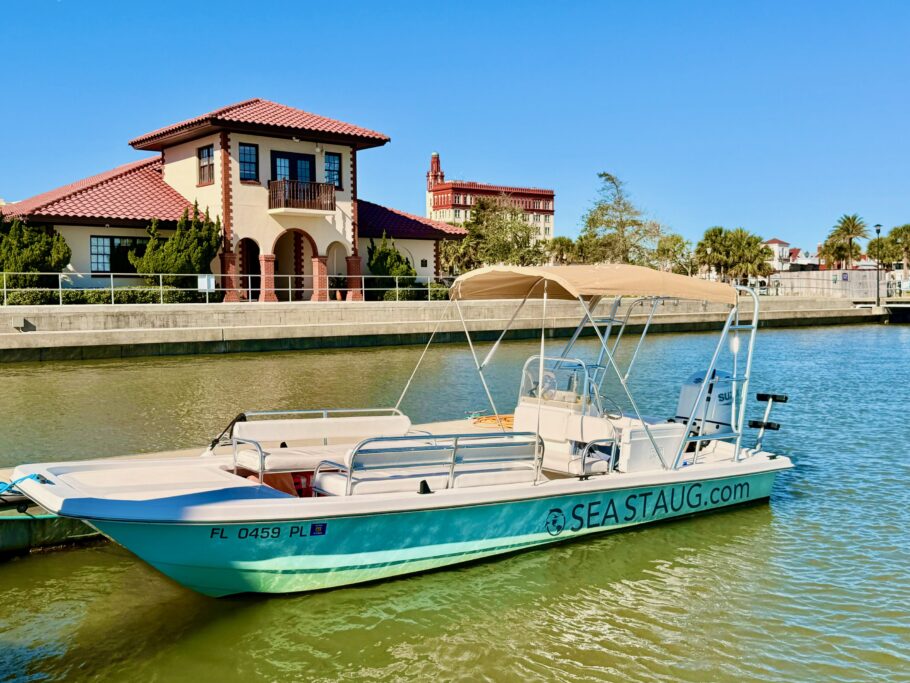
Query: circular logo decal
{"points": [[556, 522]]}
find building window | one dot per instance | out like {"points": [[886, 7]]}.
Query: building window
{"points": [[537, 218], [333, 169], [457, 213], [206, 156], [111, 254], [249, 162], [546, 219], [423, 263]]}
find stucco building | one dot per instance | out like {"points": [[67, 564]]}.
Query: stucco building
{"points": [[283, 182], [452, 201]]}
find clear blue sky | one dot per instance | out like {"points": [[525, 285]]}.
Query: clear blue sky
{"points": [[774, 116]]}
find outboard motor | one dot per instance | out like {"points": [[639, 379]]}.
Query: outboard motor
{"points": [[716, 406]]}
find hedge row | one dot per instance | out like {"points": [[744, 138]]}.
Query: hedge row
{"points": [[122, 295]]}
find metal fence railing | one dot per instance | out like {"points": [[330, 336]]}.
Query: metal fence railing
{"points": [[69, 288]]}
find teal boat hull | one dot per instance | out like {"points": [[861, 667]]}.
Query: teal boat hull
{"points": [[315, 554]]}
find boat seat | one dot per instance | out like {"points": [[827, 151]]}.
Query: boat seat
{"points": [[296, 459], [326, 429], [407, 479], [396, 467]]}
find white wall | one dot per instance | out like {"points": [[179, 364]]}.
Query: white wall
{"points": [[78, 239], [181, 171], [415, 251], [251, 200]]}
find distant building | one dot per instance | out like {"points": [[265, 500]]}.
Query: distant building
{"points": [[780, 259], [452, 201]]}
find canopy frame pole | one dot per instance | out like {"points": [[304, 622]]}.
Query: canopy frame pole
{"points": [[483, 380], [614, 311], [641, 339], [508, 326], [426, 348], [748, 372], [622, 382], [538, 456], [709, 375], [579, 328]]}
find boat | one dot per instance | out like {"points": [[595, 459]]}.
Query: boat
{"points": [[300, 500]]}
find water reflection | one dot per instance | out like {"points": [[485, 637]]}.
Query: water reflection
{"points": [[812, 587]]}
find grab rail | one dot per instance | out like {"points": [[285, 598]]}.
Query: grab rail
{"points": [[235, 440], [451, 462], [224, 438], [614, 453]]}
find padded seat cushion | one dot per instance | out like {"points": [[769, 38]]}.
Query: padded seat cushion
{"points": [[407, 479], [298, 459]]}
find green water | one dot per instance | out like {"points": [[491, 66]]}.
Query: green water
{"points": [[814, 586]]}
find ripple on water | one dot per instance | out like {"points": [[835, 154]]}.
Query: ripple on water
{"points": [[813, 586]]}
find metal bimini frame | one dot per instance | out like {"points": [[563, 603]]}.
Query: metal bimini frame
{"points": [[732, 329]]}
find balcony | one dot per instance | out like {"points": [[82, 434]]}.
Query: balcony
{"points": [[293, 197]]}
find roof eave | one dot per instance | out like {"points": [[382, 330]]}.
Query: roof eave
{"points": [[157, 143]]}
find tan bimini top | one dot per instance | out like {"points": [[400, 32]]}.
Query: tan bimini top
{"points": [[571, 282]]}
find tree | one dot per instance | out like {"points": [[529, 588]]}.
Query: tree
{"points": [[900, 236], [883, 250], [615, 230], [384, 260], [847, 229], [747, 256], [26, 248], [674, 254], [737, 254], [189, 250], [837, 253], [497, 232], [711, 251], [561, 250]]}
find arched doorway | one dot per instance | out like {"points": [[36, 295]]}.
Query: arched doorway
{"points": [[337, 270], [294, 252], [249, 268]]}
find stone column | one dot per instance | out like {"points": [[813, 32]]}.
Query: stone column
{"points": [[267, 278], [229, 281], [355, 279], [320, 279]]}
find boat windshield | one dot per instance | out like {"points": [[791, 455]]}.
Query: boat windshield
{"points": [[564, 380]]}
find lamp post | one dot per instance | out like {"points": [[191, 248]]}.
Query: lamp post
{"points": [[878, 264]]}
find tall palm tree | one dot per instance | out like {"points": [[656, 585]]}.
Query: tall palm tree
{"points": [[848, 228], [712, 250], [748, 256]]}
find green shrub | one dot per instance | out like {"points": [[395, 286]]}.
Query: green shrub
{"points": [[32, 297]]}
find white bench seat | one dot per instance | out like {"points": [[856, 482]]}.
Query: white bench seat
{"points": [[296, 459], [407, 479]]}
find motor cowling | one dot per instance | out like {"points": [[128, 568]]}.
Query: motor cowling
{"points": [[716, 406]]}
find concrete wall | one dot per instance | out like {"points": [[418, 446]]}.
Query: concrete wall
{"points": [[76, 332]]}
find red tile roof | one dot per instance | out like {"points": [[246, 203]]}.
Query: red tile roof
{"points": [[132, 192], [483, 187], [373, 220], [258, 113], [774, 240]]}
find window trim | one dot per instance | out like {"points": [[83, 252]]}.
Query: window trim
{"points": [[199, 166], [240, 162], [340, 184]]}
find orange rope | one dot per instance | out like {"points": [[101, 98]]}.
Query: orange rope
{"points": [[508, 421]]}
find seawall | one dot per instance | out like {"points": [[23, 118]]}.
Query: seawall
{"points": [[36, 333]]}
